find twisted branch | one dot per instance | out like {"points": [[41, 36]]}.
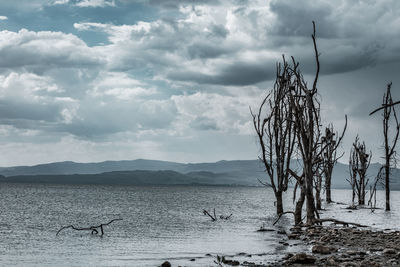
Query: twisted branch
{"points": [[94, 229]]}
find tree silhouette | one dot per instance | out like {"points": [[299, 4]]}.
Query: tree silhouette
{"points": [[388, 112]]}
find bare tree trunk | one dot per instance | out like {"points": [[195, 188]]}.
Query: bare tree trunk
{"points": [[308, 162], [318, 187], [387, 187], [361, 191], [318, 199], [361, 198], [328, 188], [353, 176], [299, 207], [330, 142], [310, 204], [279, 203]]}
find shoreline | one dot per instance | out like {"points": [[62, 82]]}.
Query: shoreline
{"points": [[330, 246], [346, 246], [336, 246]]}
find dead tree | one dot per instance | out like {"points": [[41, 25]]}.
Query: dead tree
{"points": [[306, 110], [330, 142], [300, 183], [92, 229], [388, 110], [276, 134], [306, 119], [358, 164]]}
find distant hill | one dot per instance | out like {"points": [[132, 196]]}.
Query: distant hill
{"points": [[70, 167], [138, 177], [141, 171]]}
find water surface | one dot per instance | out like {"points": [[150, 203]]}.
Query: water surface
{"points": [[159, 223]]}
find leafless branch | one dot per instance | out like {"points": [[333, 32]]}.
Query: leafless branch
{"points": [[93, 229]]}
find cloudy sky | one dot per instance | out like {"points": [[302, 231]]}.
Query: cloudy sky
{"points": [[93, 80]]}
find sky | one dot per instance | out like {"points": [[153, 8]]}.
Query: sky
{"points": [[94, 80]]}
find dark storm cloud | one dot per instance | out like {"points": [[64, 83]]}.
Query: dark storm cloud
{"points": [[350, 35], [204, 124], [294, 18], [219, 30], [102, 120], [344, 59], [12, 109], [237, 74], [206, 50], [95, 121]]}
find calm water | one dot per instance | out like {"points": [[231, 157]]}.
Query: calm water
{"points": [[159, 223]]}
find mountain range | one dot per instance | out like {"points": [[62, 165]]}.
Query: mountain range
{"points": [[154, 172]]}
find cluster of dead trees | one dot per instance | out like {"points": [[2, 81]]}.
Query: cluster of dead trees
{"points": [[388, 115], [360, 159], [288, 126]]}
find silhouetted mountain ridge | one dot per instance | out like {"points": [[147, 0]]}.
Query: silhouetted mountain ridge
{"points": [[138, 177], [236, 172]]}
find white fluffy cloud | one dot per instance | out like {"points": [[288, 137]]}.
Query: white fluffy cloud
{"points": [[95, 3], [86, 3], [39, 51], [60, 2], [120, 86]]}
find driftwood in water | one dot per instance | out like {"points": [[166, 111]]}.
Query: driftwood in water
{"points": [[214, 217], [263, 229], [93, 229], [222, 217], [320, 221]]}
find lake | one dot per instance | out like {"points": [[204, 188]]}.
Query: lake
{"points": [[159, 223]]}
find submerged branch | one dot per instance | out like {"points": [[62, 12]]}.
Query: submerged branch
{"points": [[280, 215], [94, 229], [320, 221], [214, 217]]}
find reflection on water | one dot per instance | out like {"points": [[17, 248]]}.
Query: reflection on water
{"points": [[159, 223]]}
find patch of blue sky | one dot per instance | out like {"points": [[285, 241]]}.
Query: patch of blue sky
{"points": [[61, 18]]}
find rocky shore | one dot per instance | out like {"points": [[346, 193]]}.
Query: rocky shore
{"points": [[345, 246], [326, 246]]}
